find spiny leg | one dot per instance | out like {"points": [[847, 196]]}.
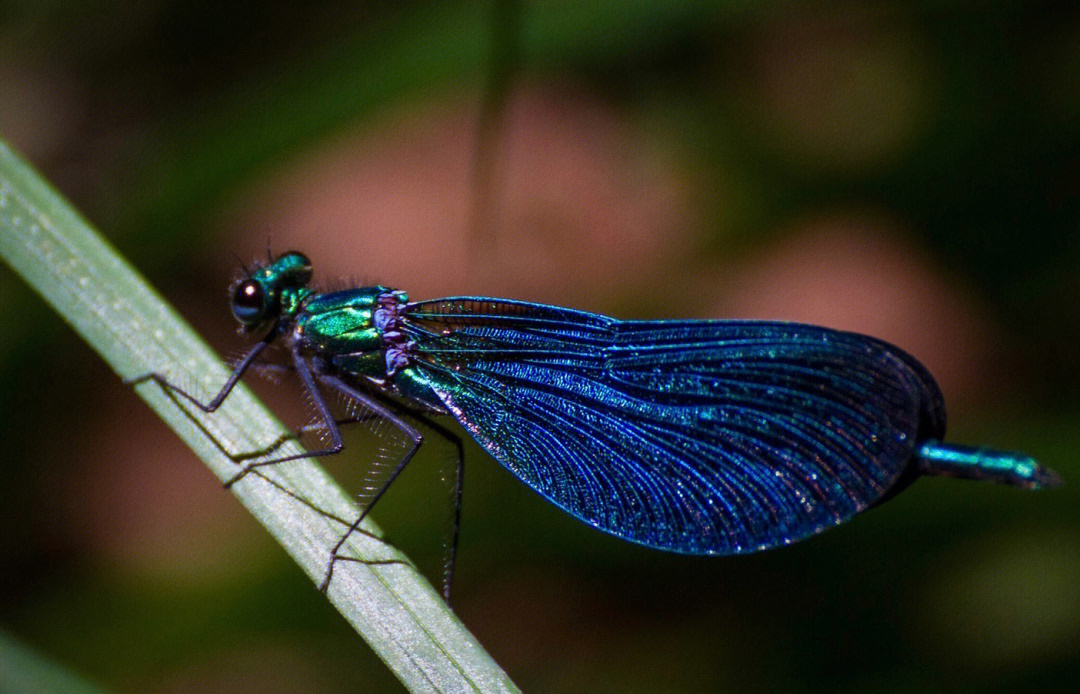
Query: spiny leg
{"points": [[459, 489], [329, 423], [295, 436], [414, 436], [216, 401], [459, 486], [248, 361], [450, 559], [423, 417], [272, 371], [298, 434]]}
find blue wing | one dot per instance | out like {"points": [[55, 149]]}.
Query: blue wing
{"points": [[702, 437]]}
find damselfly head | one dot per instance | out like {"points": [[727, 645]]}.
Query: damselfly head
{"points": [[269, 292]]}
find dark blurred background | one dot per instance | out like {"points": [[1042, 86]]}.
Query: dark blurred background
{"points": [[905, 169]]}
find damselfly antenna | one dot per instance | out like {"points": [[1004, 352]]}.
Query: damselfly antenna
{"points": [[242, 264]]}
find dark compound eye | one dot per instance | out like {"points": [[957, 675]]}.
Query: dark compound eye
{"points": [[247, 302]]}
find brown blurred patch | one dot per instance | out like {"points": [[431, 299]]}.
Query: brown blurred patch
{"points": [[267, 666], [858, 272], [839, 90], [143, 504], [41, 108], [527, 615], [584, 206]]}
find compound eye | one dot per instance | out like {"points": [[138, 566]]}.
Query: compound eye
{"points": [[247, 302]]}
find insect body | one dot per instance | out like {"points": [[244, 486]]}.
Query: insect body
{"points": [[700, 437]]}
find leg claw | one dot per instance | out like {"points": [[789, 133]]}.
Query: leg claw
{"points": [[329, 574], [237, 477]]}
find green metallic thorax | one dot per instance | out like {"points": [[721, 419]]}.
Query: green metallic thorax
{"points": [[341, 326], [347, 329]]}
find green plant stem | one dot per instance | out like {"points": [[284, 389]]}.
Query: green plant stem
{"points": [[135, 331]]}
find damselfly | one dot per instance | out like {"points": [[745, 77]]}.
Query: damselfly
{"points": [[700, 437]]}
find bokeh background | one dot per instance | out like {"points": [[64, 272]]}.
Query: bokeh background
{"points": [[905, 169]]}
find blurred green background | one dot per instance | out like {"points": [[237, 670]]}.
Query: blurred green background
{"points": [[909, 170]]}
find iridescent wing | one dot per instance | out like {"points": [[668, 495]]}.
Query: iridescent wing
{"points": [[702, 437]]}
